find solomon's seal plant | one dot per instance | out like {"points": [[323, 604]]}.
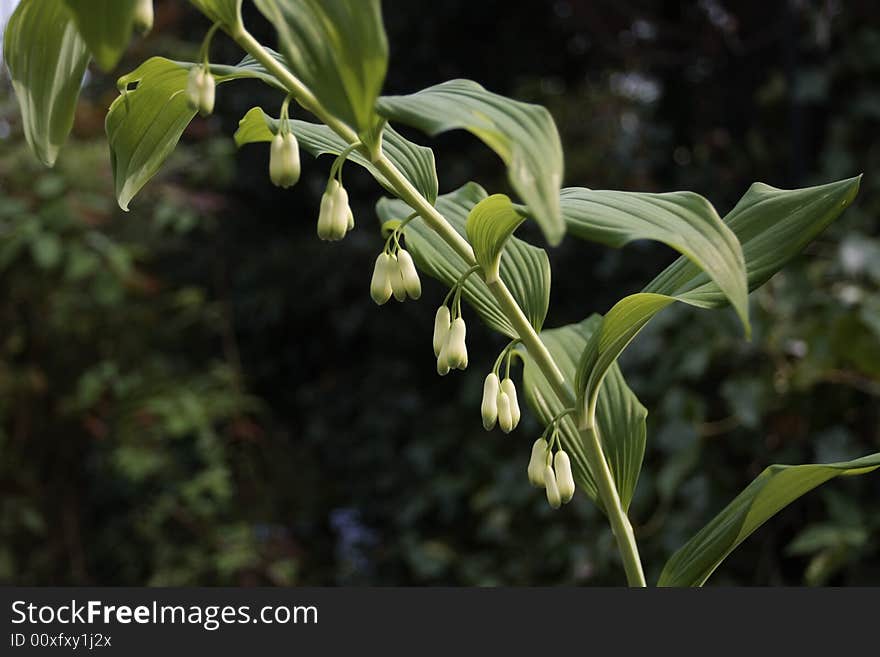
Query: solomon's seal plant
{"points": [[332, 63]]}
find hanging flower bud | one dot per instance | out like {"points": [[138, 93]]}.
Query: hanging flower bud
{"points": [[509, 389], [333, 217], [397, 285], [553, 496], [538, 462], [456, 349], [380, 285], [342, 216], [408, 273], [325, 216], [489, 408], [200, 89], [505, 418], [143, 16], [284, 166], [564, 478], [442, 322]]}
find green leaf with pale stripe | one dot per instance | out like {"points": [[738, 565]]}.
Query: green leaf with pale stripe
{"points": [[226, 12], [620, 415], [489, 225], [105, 26], [524, 268], [416, 162], [775, 488], [47, 58], [523, 135], [684, 221], [338, 49]]}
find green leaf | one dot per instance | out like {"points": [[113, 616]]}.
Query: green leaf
{"points": [[106, 27], [416, 162], [145, 123], [776, 487], [489, 225], [684, 221], [47, 59], [525, 268], [226, 12], [338, 49], [773, 225], [523, 135], [620, 415]]}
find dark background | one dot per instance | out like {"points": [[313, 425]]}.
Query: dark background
{"points": [[200, 392]]}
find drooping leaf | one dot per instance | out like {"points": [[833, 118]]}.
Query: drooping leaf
{"points": [[47, 59], [416, 162], [145, 122], [523, 135], [105, 26], [338, 49], [684, 221], [226, 12], [525, 268], [776, 487], [620, 415], [489, 225]]}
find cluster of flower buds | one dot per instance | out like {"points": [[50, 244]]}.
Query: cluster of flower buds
{"points": [[395, 274], [200, 89], [551, 472], [449, 341], [284, 165], [335, 218], [499, 403], [143, 16]]}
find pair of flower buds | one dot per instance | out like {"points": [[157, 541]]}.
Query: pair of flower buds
{"points": [[200, 89], [395, 274], [449, 341], [499, 404], [551, 473]]}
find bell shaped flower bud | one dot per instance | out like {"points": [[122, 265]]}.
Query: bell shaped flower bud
{"points": [[456, 349], [552, 488], [505, 417], [143, 16], [408, 273], [284, 166], [509, 389], [442, 322], [538, 462], [380, 285], [333, 219], [564, 477], [200, 89], [397, 285], [489, 407]]}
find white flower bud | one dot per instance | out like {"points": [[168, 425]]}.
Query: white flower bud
{"points": [[552, 488], [409, 274], [333, 218], [456, 349], [442, 322], [143, 16], [538, 462], [380, 285], [509, 389], [284, 165], [325, 216], [564, 477], [397, 284], [340, 215], [505, 418], [200, 90], [443, 359], [489, 407]]}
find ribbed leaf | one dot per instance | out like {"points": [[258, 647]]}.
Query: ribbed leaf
{"points": [[489, 225], [620, 415], [776, 487], [227, 12], [416, 162], [684, 221], [525, 268], [523, 135], [145, 123], [47, 59], [338, 48], [106, 26]]}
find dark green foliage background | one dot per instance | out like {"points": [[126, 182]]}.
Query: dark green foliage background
{"points": [[201, 392]]}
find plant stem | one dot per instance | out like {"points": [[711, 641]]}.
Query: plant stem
{"points": [[526, 333]]}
